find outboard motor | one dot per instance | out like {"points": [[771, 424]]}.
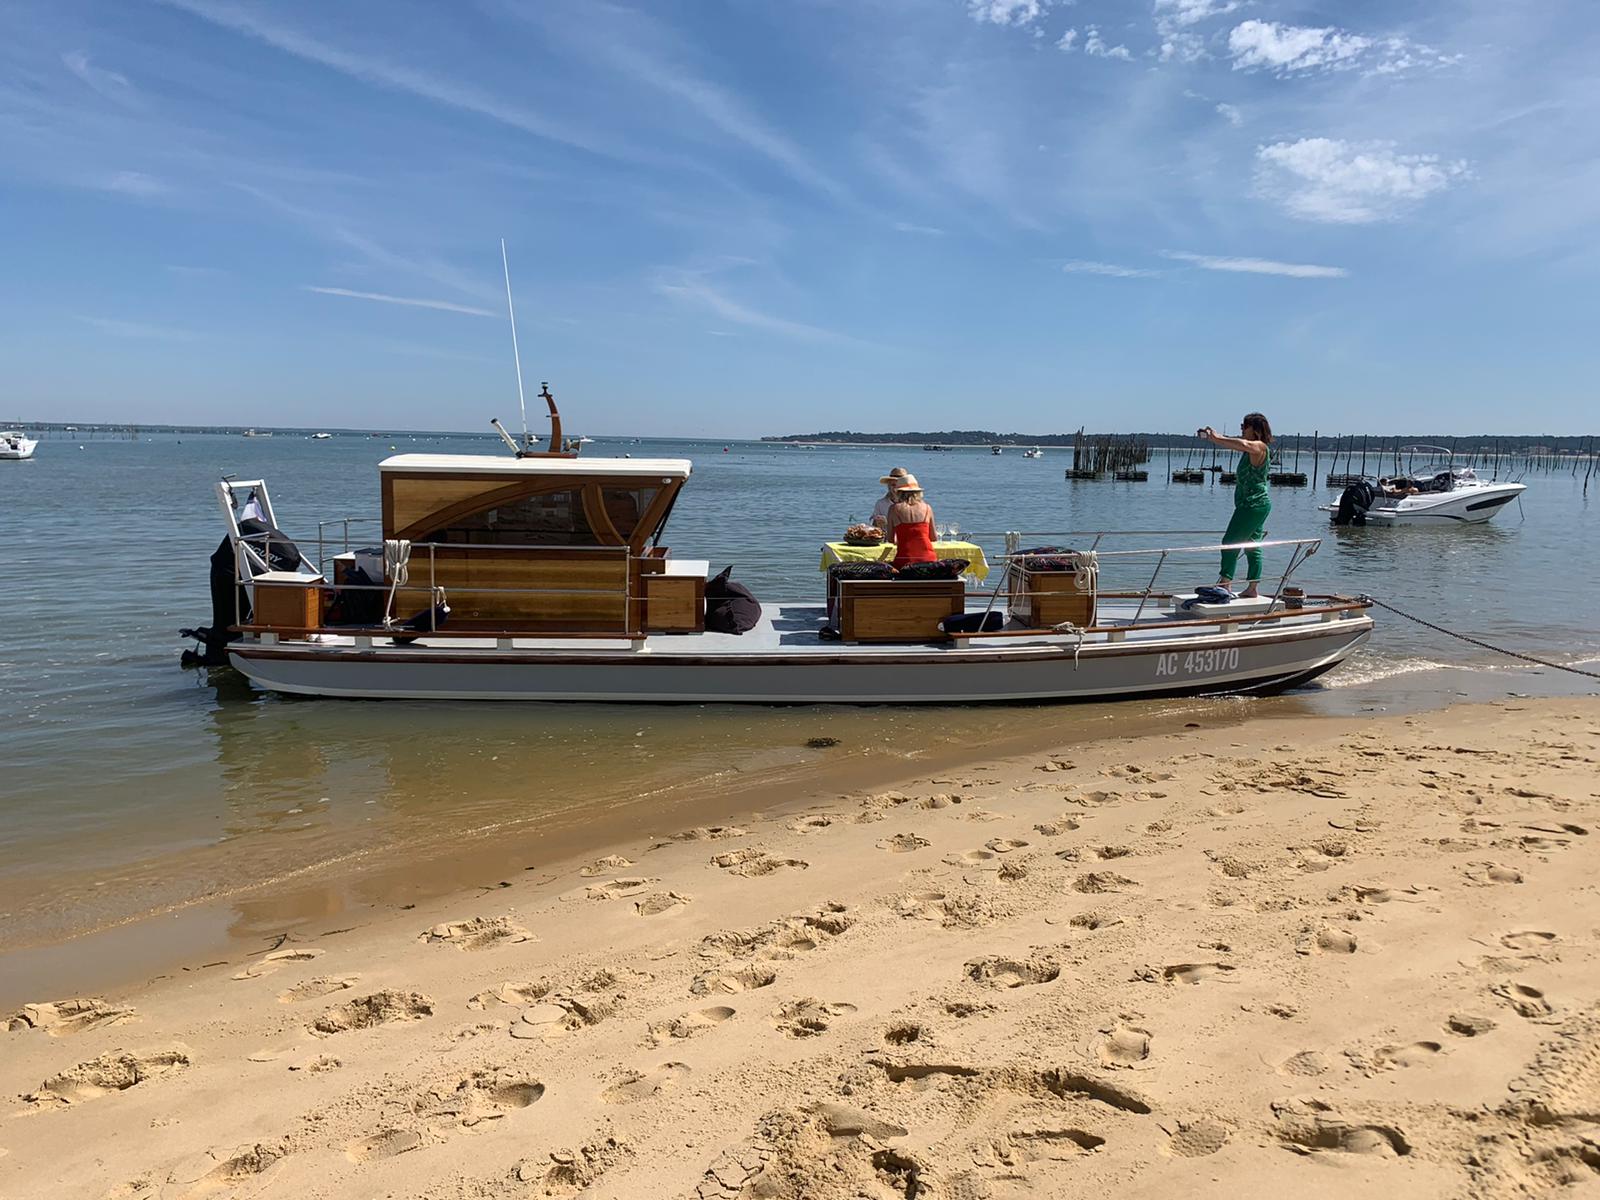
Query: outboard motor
{"points": [[230, 603], [1353, 505]]}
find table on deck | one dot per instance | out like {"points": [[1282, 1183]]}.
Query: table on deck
{"points": [[838, 552]]}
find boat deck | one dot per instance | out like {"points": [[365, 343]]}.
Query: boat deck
{"points": [[792, 628]]}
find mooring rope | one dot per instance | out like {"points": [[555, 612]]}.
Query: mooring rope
{"points": [[1554, 666]]}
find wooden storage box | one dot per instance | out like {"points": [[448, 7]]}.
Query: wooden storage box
{"points": [[286, 601], [1040, 599], [898, 610], [674, 603]]}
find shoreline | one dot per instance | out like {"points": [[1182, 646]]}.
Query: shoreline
{"points": [[1250, 950]]}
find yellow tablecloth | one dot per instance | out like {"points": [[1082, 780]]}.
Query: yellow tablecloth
{"points": [[838, 552]]}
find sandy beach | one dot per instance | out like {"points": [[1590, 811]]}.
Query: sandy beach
{"points": [[1324, 957]]}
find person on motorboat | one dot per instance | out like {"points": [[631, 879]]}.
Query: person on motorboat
{"points": [[910, 524], [1251, 501], [880, 510]]}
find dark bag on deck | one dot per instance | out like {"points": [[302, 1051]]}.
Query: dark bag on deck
{"points": [[730, 607]]}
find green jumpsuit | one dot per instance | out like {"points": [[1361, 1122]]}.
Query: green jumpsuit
{"points": [[1251, 504]]}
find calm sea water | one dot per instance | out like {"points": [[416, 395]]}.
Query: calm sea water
{"points": [[131, 786]]}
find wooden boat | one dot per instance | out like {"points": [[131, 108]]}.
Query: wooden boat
{"points": [[542, 576]]}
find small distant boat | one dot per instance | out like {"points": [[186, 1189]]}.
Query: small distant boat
{"points": [[1437, 493], [933, 447], [995, 450], [1033, 453], [257, 433], [584, 441], [14, 445], [321, 437]]}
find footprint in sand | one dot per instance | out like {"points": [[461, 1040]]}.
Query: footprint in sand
{"points": [[322, 985], [317, 1064], [114, 1072], [922, 906], [278, 959], [690, 1025], [1525, 1000], [808, 1016], [751, 862], [733, 982], [1018, 1147], [605, 866], [906, 1033], [1497, 873], [385, 1144], [478, 933], [1057, 828], [1196, 973], [1309, 1126], [1527, 939], [1469, 1024], [810, 824], [380, 1008], [657, 903], [998, 972], [1328, 941], [1196, 1139], [1004, 845], [623, 887], [968, 857], [902, 843], [1123, 1046], [518, 995], [62, 1018], [1415, 1054], [635, 1086], [1098, 882], [216, 1170], [1307, 1064], [588, 1003], [485, 1095]]}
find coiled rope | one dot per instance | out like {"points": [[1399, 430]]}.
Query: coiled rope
{"points": [[1554, 666]]}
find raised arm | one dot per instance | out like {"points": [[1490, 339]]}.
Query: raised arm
{"points": [[1256, 450]]}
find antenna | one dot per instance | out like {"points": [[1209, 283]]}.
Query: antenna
{"points": [[515, 353]]}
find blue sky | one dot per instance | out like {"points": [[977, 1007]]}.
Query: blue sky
{"points": [[745, 217]]}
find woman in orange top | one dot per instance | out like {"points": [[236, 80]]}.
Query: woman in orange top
{"points": [[911, 524]]}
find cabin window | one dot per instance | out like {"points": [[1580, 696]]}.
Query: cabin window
{"points": [[625, 505], [547, 519]]}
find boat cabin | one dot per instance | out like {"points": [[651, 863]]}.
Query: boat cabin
{"points": [[546, 543]]}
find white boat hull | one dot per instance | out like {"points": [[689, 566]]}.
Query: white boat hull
{"points": [[17, 450], [1258, 659], [1468, 505]]}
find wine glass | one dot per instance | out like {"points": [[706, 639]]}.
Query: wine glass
{"points": [[952, 532]]}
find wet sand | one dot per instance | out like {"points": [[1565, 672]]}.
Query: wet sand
{"points": [[1326, 956]]}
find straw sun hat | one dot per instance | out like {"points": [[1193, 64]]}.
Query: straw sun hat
{"points": [[908, 483], [894, 476]]}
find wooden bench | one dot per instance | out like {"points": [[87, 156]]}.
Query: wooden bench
{"points": [[898, 610]]}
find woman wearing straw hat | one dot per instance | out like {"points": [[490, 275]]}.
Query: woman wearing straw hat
{"points": [[880, 510], [910, 525]]}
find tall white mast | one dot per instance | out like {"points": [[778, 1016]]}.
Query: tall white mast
{"points": [[515, 354]]}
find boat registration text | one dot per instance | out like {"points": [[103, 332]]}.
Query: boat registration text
{"points": [[1198, 662]]}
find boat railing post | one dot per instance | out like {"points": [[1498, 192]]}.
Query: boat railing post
{"points": [[433, 593], [1145, 596]]}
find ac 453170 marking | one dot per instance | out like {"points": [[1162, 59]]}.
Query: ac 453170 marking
{"points": [[1198, 662]]}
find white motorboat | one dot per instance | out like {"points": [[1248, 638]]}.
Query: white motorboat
{"points": [[1033, 453], [1436, 493], [16, 445], [321, 437], [542, 576]]}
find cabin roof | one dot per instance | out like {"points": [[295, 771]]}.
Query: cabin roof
{"points": [[483, 464]]}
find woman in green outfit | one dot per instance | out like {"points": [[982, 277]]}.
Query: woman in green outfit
{"points": [[1251, 503]]}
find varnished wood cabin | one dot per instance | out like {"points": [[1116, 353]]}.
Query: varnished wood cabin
{"points": [[542, 543]]}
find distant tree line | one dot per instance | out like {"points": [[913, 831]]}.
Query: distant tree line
{"points": [[1543, 443]]}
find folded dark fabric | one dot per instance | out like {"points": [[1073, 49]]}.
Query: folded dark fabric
{"points": [[943, 568], [973, 623], [1046, 558], [861, 570]]}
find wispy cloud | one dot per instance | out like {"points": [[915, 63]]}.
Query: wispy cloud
{"points": [[407, 301], [1256, 266], [1096, 46], [1192, 12], [1296, 49], [693, 289], [1081, 266], [1324, 179], [1007, 12], [111, 84], [134, 183], [381, 73], [140, 330], [1231, 114], [925, 230]]}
